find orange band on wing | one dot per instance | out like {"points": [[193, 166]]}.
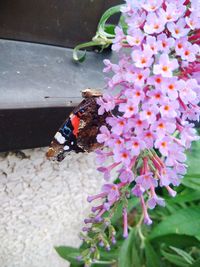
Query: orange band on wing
{"points": [[75, 120]]}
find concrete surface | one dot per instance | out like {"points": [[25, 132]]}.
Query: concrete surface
{"points": [[30, 72]]}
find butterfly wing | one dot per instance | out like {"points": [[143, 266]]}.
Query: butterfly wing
{"points": [[89, 125], [78, 133], [65, 139]]}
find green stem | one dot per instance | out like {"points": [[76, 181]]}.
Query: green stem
{"points": [[81, 58]]}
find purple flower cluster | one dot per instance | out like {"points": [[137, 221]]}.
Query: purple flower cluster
{"points": [[155, 89]]}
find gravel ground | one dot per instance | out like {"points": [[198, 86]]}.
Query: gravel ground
{"points": [[43, 204]]}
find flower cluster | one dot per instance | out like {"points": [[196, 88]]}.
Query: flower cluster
{"points": [[153, 99]]}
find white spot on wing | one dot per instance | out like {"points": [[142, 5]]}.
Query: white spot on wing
{"points": [[66, 147], [58, 136]]}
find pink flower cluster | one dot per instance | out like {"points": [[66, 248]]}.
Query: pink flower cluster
{"points": [[155, 90]]}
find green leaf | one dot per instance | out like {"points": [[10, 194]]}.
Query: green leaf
{"points": [[192, 181], [110, 28], [179, 261], [152, 259], [193, 159], [181, 241], [75, 265], [103, 263], [129, 255], [111, 255], [185, 222], [124, 259], [186, 195], [101, 26], [135, 259], [186, 256], [70, 254], [196, 263]]}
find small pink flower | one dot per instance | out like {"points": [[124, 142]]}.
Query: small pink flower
{"points": [[176, 153], [166, 66], [156, 80], [163, 126], [188, 134], [129, 108], [164, 178], [155, 200], [125, 223], [135, 37], [169, 87], [106, 103], [171, 191], [146, 180], [147, 219], [110, 66], [154, 24], [140, 76], [155, 96], [116, 142], [190, 112], [135, 145], [151, 43], [129, 75], [189, 52], [137, 19], [128, 8], [163, 145], [149, 113], [151, 5], [118, 124], [142, 58], [180, 44], [137, 124], [135, 94], [122, 156], [112, 192], [179, 7], [126, 175], [195, 6], [180, 168], [119, 37], [193, 21], [148, 137], [138, 190], [165, 43], [178, 29], [170, 13], [186, 90], [106, 170], [104, 135], [169, 109], [101, 156]]}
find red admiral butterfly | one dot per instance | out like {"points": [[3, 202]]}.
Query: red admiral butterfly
{"points": [[78, 133]]}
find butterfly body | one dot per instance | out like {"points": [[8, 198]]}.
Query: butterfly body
{"points": [[78, 133]]}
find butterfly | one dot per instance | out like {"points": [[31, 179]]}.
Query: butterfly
{"points": [[78, 133]]}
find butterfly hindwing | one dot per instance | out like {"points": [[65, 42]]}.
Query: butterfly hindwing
{"points": [[89, 125]]}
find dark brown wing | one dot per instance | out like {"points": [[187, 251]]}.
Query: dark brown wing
{"points": [[90, 123]]}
